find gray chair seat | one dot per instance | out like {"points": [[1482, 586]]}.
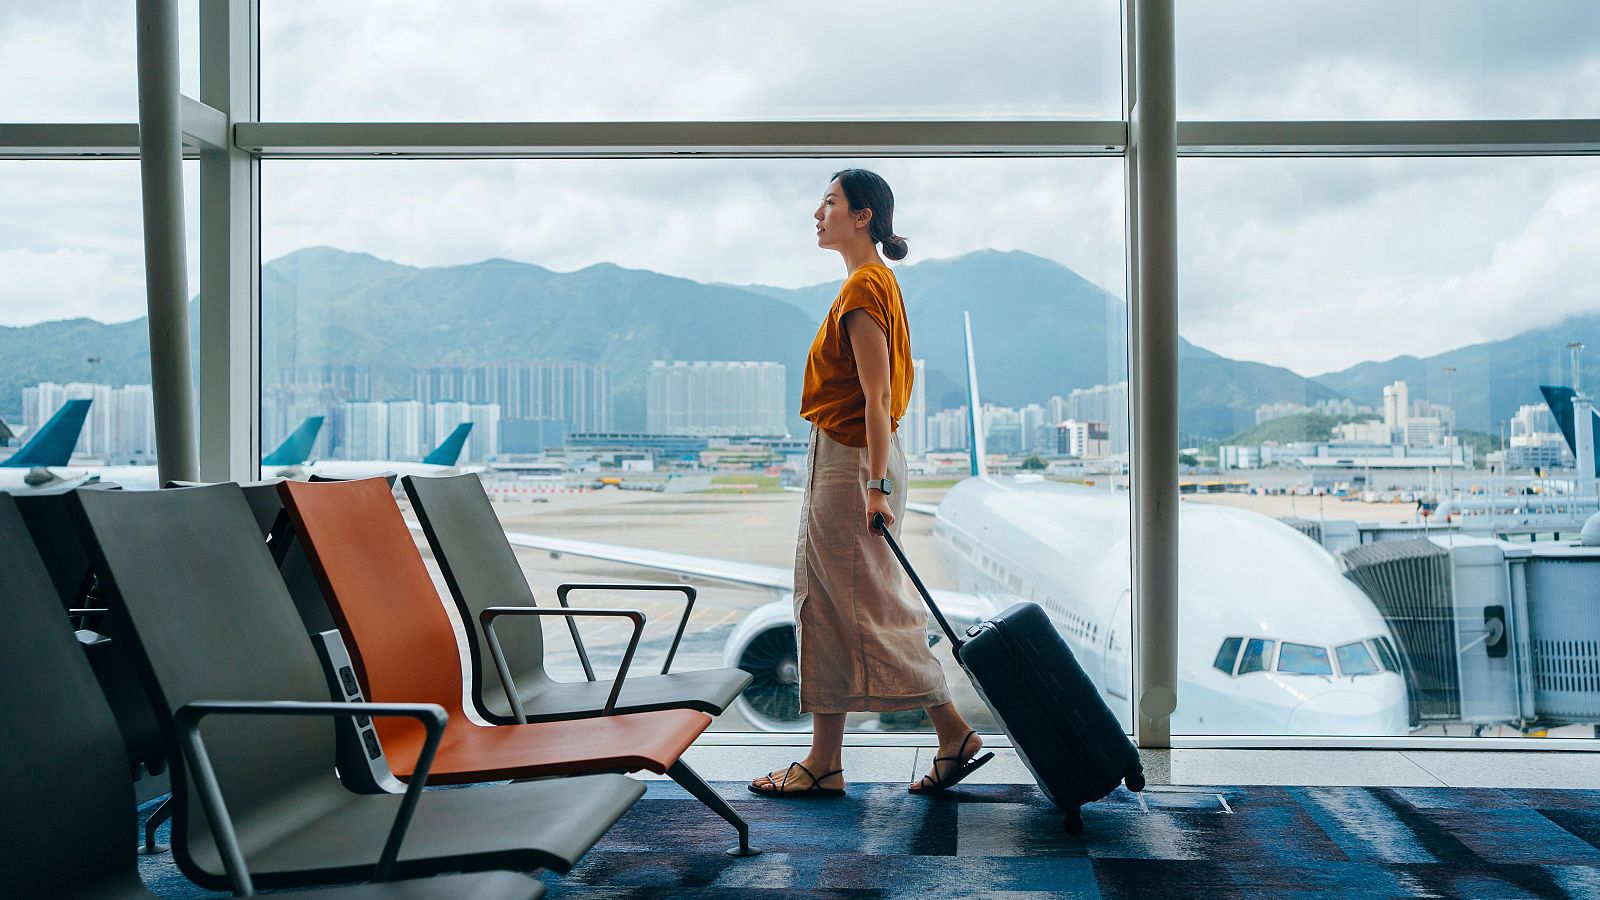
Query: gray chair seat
{"points": [[708, 690], [539, 824]]}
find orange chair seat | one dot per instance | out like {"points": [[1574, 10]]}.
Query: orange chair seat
{"points": [[649, 741]]}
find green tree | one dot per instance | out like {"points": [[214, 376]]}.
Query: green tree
{"points": [[1033, 464]]}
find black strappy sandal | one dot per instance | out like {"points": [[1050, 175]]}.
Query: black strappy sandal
{"points": [[931, 785], [777, 788]]}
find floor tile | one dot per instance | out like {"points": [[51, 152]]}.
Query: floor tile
{"points": [[1510, 769], [1372, 768]]}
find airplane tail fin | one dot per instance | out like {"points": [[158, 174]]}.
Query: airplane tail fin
{"points": [[449, 449], [296, 448], [974, 408], [52, 444], [6, 434], [1559, 400]]}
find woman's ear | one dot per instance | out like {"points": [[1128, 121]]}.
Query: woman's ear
{"points": [[863, 217]]}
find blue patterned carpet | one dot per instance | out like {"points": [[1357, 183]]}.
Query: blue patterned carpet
{"points": [[1169, 842]]}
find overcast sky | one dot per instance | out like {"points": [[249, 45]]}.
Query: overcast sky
{"points": [[1311, 264]]}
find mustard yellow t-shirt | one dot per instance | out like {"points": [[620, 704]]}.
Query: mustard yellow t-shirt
{"points": [[832, 398]]}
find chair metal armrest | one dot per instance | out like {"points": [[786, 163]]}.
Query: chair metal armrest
{"points": [[689, 595], [486, 620], [432, 716]]}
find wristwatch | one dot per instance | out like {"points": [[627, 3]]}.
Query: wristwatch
{"points": [[882, 485]]}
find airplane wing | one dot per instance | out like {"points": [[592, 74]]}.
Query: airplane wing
{"points": [[772, 578], [922, 509], [962, 608]]}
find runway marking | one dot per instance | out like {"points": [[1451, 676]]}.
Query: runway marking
{"points": [[1142, 805], [1225, 807]]}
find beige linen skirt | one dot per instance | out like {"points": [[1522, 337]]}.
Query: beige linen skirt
{"points": [[863, 633]]}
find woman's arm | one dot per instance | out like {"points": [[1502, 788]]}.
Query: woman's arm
{"points": [[870, 346]]}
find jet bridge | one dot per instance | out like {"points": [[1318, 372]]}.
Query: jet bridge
{"points": [[1490, 631]]}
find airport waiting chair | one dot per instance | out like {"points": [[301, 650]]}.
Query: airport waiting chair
{"points": [[111, 656], [482, 572], [212, 621], [403, 645], [68, 788]]}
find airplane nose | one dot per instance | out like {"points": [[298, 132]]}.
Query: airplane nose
{"points": [[1342, 712]]}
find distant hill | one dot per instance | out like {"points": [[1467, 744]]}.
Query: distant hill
{"points": [[1289, 429], [320, 305], [1491, 380], [1039, 329]]}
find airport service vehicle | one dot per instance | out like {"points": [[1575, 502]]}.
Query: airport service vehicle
{"points": [[1272, 638]]}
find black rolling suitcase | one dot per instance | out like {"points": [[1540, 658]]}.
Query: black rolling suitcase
{"points": [[1056, 720]]}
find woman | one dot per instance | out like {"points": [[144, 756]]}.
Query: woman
{"points": [[863, 639]]}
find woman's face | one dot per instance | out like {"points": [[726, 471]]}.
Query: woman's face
{"points": [[836, 227]]}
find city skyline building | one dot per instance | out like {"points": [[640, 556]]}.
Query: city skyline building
{"points": [[576, 393], [716, 398], [120, 425], [914, 426]]}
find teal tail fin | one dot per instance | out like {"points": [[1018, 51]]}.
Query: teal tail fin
{"points": [[449, 449], [52, 444], [296, 448]]}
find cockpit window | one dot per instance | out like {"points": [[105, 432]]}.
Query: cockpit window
{"points": [[1355, 660], [1228, 653], [1304, 659], [1257, 654], [1386, 654]]}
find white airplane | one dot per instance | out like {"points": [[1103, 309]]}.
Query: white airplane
{"points": [[294, 448], [1272, 639], [442, 461]]}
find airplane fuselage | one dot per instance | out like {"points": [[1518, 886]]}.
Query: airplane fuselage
{"points": [[1242, 576]]}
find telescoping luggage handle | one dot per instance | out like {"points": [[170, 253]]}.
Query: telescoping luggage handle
{"points": [[877, 525]]}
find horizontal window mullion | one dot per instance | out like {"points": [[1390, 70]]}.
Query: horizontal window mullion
{"points": [[1486, 137], [657, 139]]}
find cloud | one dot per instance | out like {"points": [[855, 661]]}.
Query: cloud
{"points": [[1433, 255], [72, 239]]}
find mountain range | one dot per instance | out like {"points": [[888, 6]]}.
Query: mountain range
{"points": [[1038, 329]]}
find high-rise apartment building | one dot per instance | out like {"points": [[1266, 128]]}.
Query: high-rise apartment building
{"points": [[715, 398], [914, 427], [578, 394], [119, 427], [364, 430], [1106, 403], [948, 430], [1396, 410], [408, 421]]}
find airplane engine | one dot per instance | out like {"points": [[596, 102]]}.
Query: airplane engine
{"points": [[764, 645]]}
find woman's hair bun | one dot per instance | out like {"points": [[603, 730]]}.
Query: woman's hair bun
{"points": [[894, 247]]}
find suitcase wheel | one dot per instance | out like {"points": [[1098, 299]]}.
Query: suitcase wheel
{"points": [[1134, 781], [1071, 822]]}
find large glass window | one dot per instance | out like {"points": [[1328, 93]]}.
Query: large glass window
{"points": [[573, 311], [1382, 59], [1377, 366], [689, 60], [72, 324]]}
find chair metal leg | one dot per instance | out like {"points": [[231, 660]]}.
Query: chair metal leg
{"points": [[161, 814], [691, 781]]}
